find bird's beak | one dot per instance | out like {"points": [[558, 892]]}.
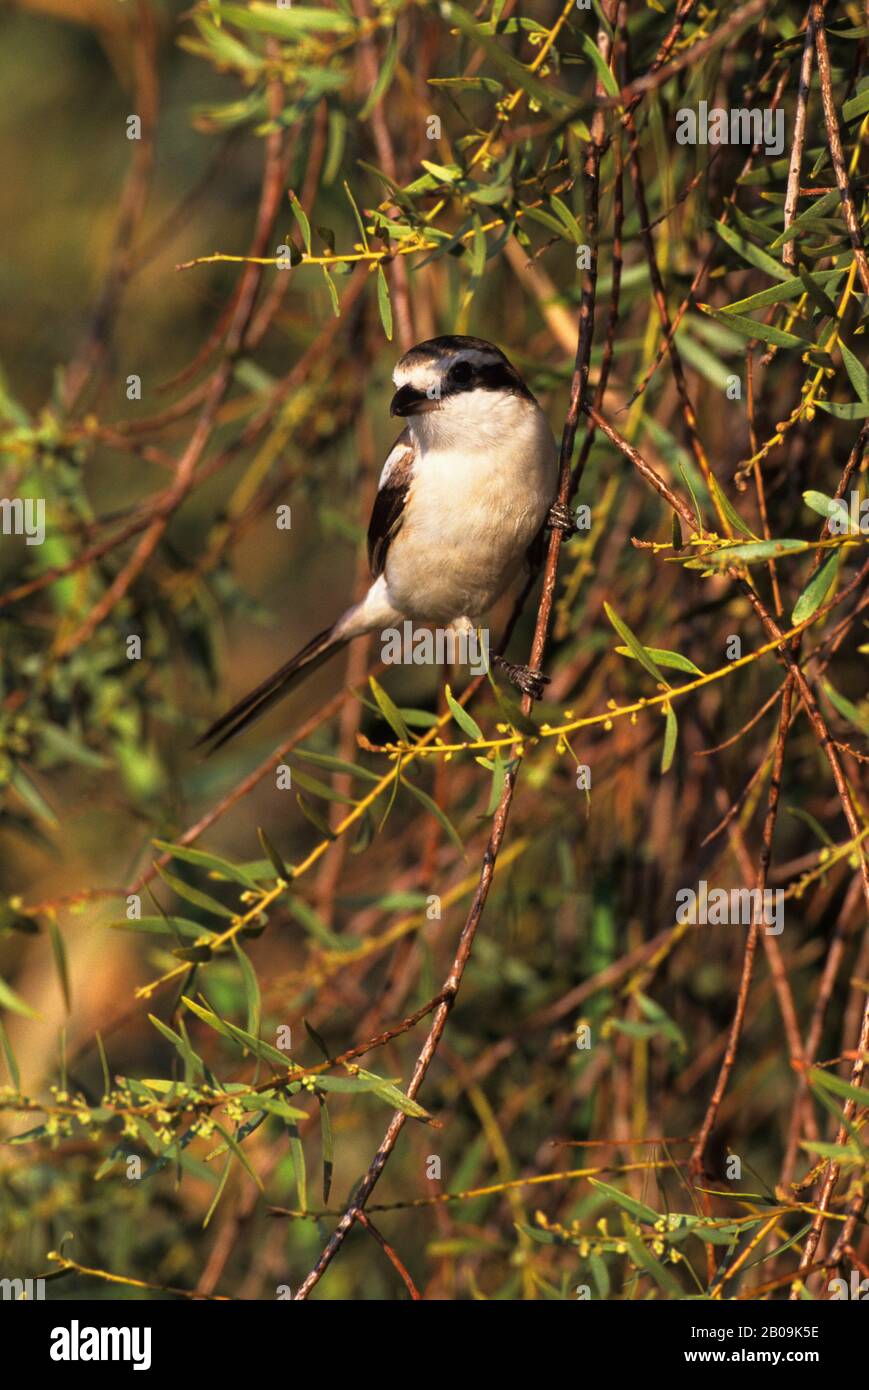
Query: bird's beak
{"points": [[408, 400]]}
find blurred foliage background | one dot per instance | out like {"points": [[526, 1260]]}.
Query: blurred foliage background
{"points": [[165, 415]]}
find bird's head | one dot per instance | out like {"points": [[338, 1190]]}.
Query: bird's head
{"points": [[450, 385]]}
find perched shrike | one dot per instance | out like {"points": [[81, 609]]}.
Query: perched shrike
{"points": [[464, 493]]}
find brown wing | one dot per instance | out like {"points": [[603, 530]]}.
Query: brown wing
{"points": [[387, 513]]}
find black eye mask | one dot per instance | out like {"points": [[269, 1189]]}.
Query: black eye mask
{"points": [[487, 376]]}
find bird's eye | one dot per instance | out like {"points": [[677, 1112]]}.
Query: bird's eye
{"points": [[461, 373]]}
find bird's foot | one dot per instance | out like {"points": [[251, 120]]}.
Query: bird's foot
{"points": [[561, 518], [530, 682]]}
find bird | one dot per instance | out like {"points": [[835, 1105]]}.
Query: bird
{"points": [[463, 497]]}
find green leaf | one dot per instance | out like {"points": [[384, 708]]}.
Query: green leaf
{"points": [[671, 734], [816, 293], [287, 23], [468, 725], [499, 771], [203, 860], [193, 895], [328, 1148], [263, 1050], [312, 814], [343, 1085], [194, 955], [847, 1155], [302, 219], [315, 1038], [661, 657], [471, 84], [816, 210], [644, 1259], [335, 764], [390, 711], [752, 328], [546, 220], [828, 507], [251, 990], [511, 711], [630, 1204], [61, 743], [161, 926], [193, 1062], [729, 510], [11, 1001], [816, 590], [274, 1104], [751, 254], [333, 293], [357, 214], [226, 50], [384, 303], [32, 797], [14, 1074], [662, 1020], [297, 1155], [384, 77], [321, 789], [703, 359], [478, 249], [593, 53], [857, 373], [436, 811], [856, 107], [418, 718], [859, 718], [444, 173], [758, 552], [212, 1208], [387, 1091], [778, 294], [850, 410], [827, 1081], [567, 218], [814, 824], [490, 194], [639, 652], [58, 950], [236, 1148], [313, 923], [337, 142], [275, 859], [554, 101]]}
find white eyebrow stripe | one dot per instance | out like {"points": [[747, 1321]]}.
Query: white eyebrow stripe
{"points": [[429, 371]]}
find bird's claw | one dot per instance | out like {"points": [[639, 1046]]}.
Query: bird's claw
{"points": [[530, 682], [561, 518]]}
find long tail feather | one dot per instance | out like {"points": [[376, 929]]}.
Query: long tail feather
{"points": [[274, 688]]}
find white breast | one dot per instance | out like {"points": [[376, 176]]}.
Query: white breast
{"points": [[484, 478]]}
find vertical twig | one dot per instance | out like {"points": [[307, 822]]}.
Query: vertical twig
{"points": [[792, 194], [834, 141]]}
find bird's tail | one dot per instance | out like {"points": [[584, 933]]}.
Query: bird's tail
{"points": [[274, 688]]}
